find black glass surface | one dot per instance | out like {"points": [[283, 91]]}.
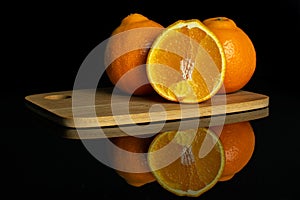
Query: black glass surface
{"points": [[44, 46]]}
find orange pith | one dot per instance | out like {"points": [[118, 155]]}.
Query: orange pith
{"points": [[186, 62], [192, 163], [239, 51]]}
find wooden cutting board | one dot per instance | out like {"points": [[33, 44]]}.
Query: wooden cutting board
{"points": [[107, 110], [154, 128]]}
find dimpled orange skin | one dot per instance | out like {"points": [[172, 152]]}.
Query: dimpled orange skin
{"points": [[135, 163], [238, 140], [136, 82], [239, 51]]}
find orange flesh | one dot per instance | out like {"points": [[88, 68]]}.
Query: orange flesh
{"points": [[189, 172], [186, 73]]}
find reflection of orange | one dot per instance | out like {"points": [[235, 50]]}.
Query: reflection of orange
{"points": [[136, 81], [131, 162], [239, 51], [186, 62], [238, 141], [192, 163]]}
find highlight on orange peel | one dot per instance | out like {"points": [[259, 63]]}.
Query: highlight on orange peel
{"points": [[186, 62], [186, 163]]}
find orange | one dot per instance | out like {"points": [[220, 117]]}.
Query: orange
{"points": [[186, 163], [126, 53], [239, 51], [136, 170], [186, 62], [238, 141]]}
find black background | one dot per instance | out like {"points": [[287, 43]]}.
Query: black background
{"points": [[44, 45]]}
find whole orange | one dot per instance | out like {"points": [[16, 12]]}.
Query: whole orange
{"points": [[126, 53], [239, 52], [238, 142], [136, 170]]}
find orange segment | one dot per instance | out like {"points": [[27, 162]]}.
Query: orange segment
{"points": [[186, 163], [186, 62]]}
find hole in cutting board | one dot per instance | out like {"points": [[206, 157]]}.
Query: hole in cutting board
{"points": [[57, 97]]}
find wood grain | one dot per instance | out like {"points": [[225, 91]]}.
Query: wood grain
{"points": [[150, 129], [105, 108]]}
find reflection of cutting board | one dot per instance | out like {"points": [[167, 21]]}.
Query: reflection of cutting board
{"points": [[118, 109]]}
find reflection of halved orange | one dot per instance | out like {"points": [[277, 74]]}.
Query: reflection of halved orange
{"points": [[186, 163], [186, 62]]}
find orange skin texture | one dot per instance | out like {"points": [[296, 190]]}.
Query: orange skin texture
{"points": [[138, 163], [238, 141], [239, 51], [134, 82]]}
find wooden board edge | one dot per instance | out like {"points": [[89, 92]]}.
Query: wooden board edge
{"points": [[66, 122], [115, 131], [94, 123]]}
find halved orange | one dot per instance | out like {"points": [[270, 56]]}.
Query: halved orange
{"points": [[186, 62], [187, 163]]}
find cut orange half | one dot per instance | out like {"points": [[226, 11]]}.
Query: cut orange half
{"points": [[187, 163], [186, 62]]}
